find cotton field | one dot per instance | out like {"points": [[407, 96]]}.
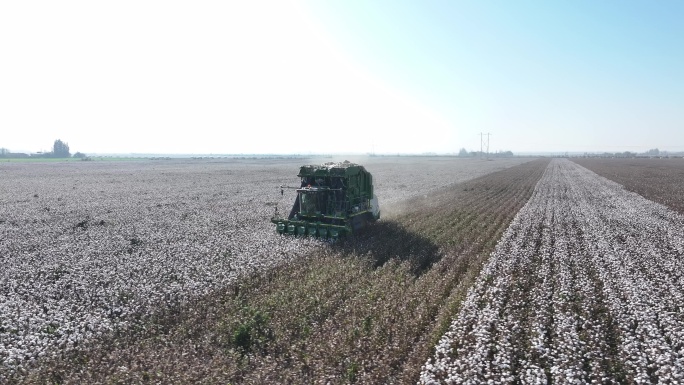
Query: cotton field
{"points": [[585, 286], [90, 248]]}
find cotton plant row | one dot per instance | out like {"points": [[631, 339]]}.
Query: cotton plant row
{"points": [[585, 286], [87, 248]]}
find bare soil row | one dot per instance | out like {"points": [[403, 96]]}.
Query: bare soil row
{"points": [[366, 310]]}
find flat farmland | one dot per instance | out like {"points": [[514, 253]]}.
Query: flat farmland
{"points": [[95, 251], [520, 272], [660, 180], [585, 286]]}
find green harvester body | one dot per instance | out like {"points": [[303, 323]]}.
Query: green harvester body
{"points": [[333, 200]]}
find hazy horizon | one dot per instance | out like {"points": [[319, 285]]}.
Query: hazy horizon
{"points": [[288, 77]]}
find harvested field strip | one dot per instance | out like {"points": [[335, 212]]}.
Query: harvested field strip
{"points": [[584, 287], [367, 310], [660, 180]]}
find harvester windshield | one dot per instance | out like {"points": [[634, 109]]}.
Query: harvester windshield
{"points": [[309, 203]]}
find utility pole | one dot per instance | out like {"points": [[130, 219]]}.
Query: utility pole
{"points": [[480, 145], [486, 144]]}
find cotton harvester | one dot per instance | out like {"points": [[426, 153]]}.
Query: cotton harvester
{"points": [[333, 200]]}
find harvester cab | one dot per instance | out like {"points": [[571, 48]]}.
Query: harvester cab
{"points": [[333, 200]]}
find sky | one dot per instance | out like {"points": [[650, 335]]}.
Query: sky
{"points": [[300, 77]]}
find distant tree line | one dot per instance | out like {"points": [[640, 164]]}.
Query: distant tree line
{"points": [[652, 153], [476, 154], [6, 153], [60, 149]]}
